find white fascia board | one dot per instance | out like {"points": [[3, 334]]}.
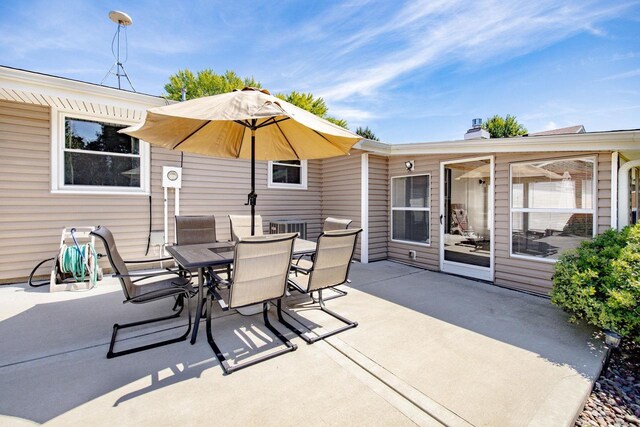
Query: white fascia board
{"points": [[596, 141], [64, 88]]}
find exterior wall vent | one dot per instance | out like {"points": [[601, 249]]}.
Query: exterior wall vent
{"points": [[279, 226]]}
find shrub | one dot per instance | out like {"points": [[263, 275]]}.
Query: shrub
{"points": [[600, 282]]}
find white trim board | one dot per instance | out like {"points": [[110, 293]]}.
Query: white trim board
{"points": [[364, 208]]}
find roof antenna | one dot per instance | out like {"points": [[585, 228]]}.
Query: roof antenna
{"points": [[123, 20]]}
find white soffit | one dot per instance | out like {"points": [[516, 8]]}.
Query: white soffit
{"points": [[70, 95]]}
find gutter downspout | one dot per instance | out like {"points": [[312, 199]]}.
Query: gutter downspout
{"points": [[615, 159]]}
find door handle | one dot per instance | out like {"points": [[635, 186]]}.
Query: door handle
{"points": [[441, 218]]}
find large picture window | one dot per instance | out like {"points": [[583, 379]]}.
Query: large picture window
{"points": [[552, 206], [288, 174], [94, 157], [410, 209]]}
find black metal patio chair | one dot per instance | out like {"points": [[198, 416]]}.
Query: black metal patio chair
{"points": [[330, 268], [139, 289], [330, 224], [260, 273]]}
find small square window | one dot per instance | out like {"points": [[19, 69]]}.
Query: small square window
{"points": [[288, 174]]}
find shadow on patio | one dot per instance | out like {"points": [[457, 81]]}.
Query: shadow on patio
{"points": [[488, 355]]}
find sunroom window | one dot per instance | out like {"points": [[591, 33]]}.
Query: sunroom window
{"points": [[410, 209], [288, 174], [552, 206]]}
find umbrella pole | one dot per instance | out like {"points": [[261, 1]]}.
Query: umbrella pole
{"points": [[253, 196]]}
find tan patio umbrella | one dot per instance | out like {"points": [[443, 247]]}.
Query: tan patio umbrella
{"points": [[247, 124]]}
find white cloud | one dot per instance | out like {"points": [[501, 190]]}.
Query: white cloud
{"points": [[349, 114], [550, 126], [423, 36], [625, 75]]}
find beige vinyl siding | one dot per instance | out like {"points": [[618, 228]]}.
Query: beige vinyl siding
{"points": [[529, 275], [426, 256], [341, 189], [32, 218], [378, 207], [220, 187]]}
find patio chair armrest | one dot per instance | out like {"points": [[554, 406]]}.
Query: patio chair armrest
{"points": [[218, 298], [148, 261], [159, 292], [155, 274], [216, 278], [295, 285], [299, 269]]}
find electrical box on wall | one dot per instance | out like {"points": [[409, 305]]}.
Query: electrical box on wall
{"points": [[171, 177]]}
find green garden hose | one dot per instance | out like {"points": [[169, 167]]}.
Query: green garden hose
{"points": [[73, 261]]}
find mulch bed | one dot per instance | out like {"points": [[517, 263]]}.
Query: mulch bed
{"points": [[615, 399]]}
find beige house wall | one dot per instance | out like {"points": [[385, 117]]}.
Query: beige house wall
{"points": [[378, 207], [516, 273], [341, 190], [32, 217]]}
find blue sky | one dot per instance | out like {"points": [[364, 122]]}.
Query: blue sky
{"points": [[411, 71]]}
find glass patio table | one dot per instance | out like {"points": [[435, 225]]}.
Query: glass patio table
{"points": [[217, 254]]}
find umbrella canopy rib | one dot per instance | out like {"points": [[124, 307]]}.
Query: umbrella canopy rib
{"points": [[325, 138], [271, 121], [191, 134], [244, 130], [287, 139]]}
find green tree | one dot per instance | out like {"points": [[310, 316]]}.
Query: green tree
{"points": [[367, 133], [205, 83], [314, 105], [503, 127]]}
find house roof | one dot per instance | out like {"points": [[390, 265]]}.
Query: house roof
{"points": [[614, 140], [561, 131], [73, 95]]}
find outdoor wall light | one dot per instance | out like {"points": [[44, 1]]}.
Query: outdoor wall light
{"points": [[410, 165]]}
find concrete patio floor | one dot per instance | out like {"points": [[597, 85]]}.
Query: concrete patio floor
{"points": [[430, 349]]}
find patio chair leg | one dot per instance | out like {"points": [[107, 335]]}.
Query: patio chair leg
{"points": [[311, 340], [111, 354], [293, 329], [340, 293], [210, 340], [179, 303], [223, 362]]}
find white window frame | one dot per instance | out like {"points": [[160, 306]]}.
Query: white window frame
{"points": [[593, 210], [284, 185], [58, 117], [425, 209]]}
